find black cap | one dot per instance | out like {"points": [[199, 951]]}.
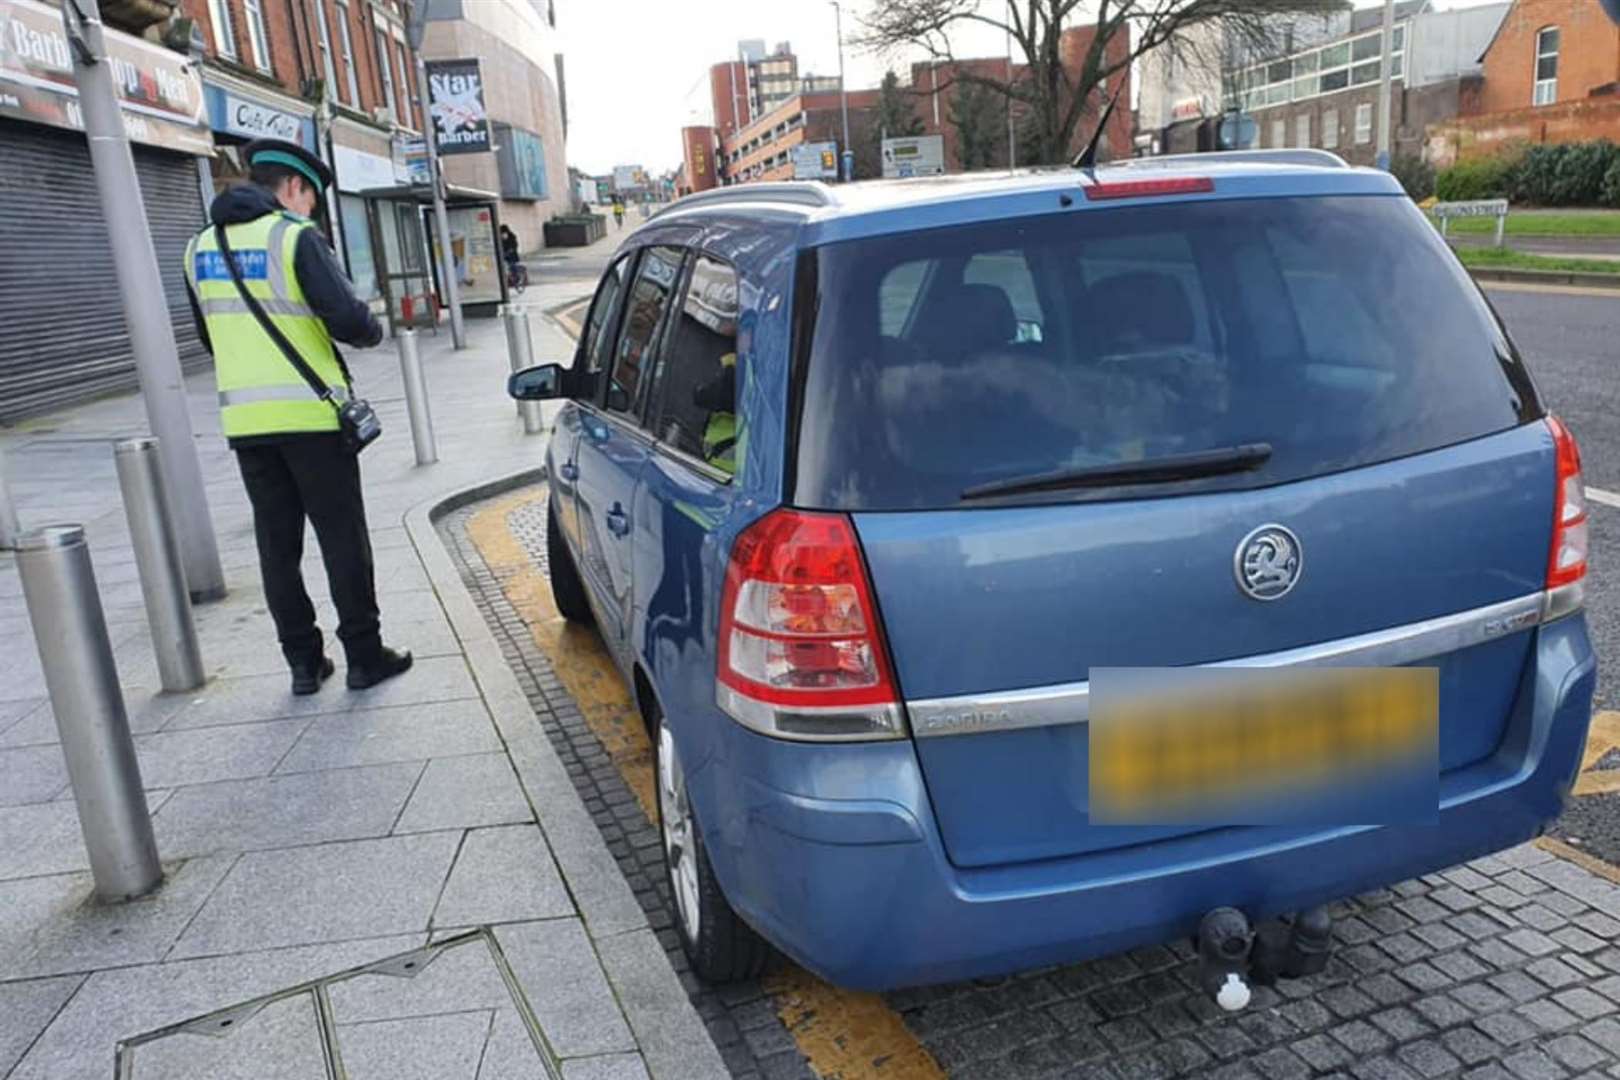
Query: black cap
{"points": [[293, 156]]}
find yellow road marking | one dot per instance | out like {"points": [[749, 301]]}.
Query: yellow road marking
{"points": [[1603, 736], [1580, 858], [844, 1035], [1541, 287]]}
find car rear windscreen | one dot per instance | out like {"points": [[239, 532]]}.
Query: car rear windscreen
{"points": [[1334, 331]]}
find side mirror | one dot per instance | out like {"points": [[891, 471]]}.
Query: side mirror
{"points": [[550, 381]]}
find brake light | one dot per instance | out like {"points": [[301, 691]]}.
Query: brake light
{"points": [[1143, 189], [802, 654], [1566, 565]]}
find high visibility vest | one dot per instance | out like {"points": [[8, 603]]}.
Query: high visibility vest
{"points": [[260, 392]]}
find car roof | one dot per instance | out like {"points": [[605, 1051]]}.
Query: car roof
{"points": [[823, 213]]}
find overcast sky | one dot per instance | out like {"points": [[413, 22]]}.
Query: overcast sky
{"points": [[638, 70]]}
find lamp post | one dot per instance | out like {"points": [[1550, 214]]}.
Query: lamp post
{"points": [[415, 32], [843, 93], [1384, 87]]}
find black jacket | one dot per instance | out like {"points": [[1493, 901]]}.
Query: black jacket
{"points": [[325, 285]]}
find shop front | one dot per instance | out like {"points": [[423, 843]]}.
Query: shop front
{"points": [[63, 338], [363, 159], [239, 112]]}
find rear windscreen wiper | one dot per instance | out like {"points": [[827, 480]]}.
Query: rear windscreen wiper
{"points": [[1161, 470]]}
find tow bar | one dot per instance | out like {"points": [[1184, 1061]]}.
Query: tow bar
{"points": [[1233, 956]]}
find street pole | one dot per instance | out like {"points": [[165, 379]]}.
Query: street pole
{"points": [[848, 155], [1384, 88], [441, 221], [146, 309], [1012, 140]]}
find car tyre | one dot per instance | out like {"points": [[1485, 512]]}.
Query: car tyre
{"points": [[720, 947], [566, 587]]}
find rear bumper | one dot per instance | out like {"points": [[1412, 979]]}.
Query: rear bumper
{"points": [[859, 890]]}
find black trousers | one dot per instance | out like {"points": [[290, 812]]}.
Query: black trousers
{"points": [[313, 477]]}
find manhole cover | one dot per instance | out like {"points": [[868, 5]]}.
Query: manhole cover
{"points": [[448, 1011]]}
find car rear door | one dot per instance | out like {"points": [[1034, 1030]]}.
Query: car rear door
{"points": [[613, 444], [1337, 332]]}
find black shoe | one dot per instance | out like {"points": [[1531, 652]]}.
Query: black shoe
{"points": [[385, 665], [307, 678]]}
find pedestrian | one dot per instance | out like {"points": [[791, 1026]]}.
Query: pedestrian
{"points": [[509, 245], [294, 459], [618, 213]]}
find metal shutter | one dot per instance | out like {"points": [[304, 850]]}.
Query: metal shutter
{"points": [[62, 336]]}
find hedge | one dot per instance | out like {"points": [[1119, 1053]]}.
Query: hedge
{"points": [[1563, 174]]}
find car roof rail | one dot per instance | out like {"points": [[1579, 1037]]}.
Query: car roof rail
{"points": [[1321, 159], [797, 192]]}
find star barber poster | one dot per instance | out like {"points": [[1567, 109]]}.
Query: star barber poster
{"points": [[456, 91]]}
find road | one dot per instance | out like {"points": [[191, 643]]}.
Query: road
{"points": [[1568, 340]]}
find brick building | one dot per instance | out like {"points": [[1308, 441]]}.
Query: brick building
{"points": [[1552, 75]]}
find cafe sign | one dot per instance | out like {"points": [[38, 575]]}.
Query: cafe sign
{"points": [[254, 121], [161, 97]]}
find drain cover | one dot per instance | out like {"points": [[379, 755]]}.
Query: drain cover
{"points": [[448, 1011]]}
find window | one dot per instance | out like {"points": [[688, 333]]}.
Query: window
{"points": [[1279, 134], [596, 343], [258, 36], [1546, 91], [659, 270], [1302, 129], [1334, 328], [696, 381], [385, 68], [1366, 48], [410, 116], [1335, 80], [1335, 56], [1364, 124], [1330, 129], [224, 29], [326, 49], [347, 45]]}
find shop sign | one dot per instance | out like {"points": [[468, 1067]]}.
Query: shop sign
{"points": [[360, 171], [456, 93], [1189, 108], [160, 93], [251, 120]]}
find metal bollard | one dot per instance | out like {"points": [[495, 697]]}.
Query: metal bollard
{"points": [[514, 348], [59, 586], [416, 398], [523, 357], [1501, 229], [10, 527], [157, 556]]}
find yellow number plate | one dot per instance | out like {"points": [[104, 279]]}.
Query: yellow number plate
{"points": [[1192, 742]]}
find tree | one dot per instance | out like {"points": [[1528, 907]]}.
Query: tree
{"points": [[1054, 95], [896, 112], [979, 115]]}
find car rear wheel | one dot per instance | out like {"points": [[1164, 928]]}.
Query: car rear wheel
{"points": [[566, 587], [720, 946]]}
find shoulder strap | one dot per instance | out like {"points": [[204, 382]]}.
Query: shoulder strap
{"points": [[315, 382]]}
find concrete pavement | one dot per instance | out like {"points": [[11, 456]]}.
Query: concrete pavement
{"points": [[403, 879]]}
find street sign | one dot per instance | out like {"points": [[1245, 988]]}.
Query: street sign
{"points": [[1477, 208], [815, 161], [914, 155]]}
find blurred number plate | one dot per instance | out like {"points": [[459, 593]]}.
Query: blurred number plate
{"points": [[1261, 746]]}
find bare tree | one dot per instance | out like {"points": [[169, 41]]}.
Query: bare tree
{"points": [[1054, 95]]}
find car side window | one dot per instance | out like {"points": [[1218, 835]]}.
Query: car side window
{"points": [[598, 337], [648, 299], [695, 386]]}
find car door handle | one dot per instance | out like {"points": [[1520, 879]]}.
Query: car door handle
{"points": [[618, 522], [568, 471]]}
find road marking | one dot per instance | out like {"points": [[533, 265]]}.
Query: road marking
{"points": [[843, 1034], [1580, 858], [1607, 498], [1538, 287]]}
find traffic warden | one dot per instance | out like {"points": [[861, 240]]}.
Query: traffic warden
{"points": [[295, 463]]}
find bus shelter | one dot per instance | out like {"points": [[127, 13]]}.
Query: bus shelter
{"points": [[407, 253]]}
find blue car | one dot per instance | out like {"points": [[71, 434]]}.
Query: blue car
{"points": [[869, 489]]}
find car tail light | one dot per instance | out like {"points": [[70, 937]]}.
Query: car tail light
{"points": [[802, 654], [1566, 565], [1144, 189]]}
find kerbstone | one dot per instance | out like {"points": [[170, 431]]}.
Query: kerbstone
{"points": [[665, 1024]]}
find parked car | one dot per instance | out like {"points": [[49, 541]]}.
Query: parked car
{"points": [[863, 485]]}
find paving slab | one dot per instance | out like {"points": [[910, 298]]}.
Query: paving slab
{"points": [[28, 1008], [606, 1067], [447, 1047], [54, 925], [402, 733], [465, 792], [146, 710], [206, 755], [117, 1004], [279, 1042], [571, 997], [281, 811], [656, 1006], [31, 774], [327, 892], [41, 839], [503, 874]]}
